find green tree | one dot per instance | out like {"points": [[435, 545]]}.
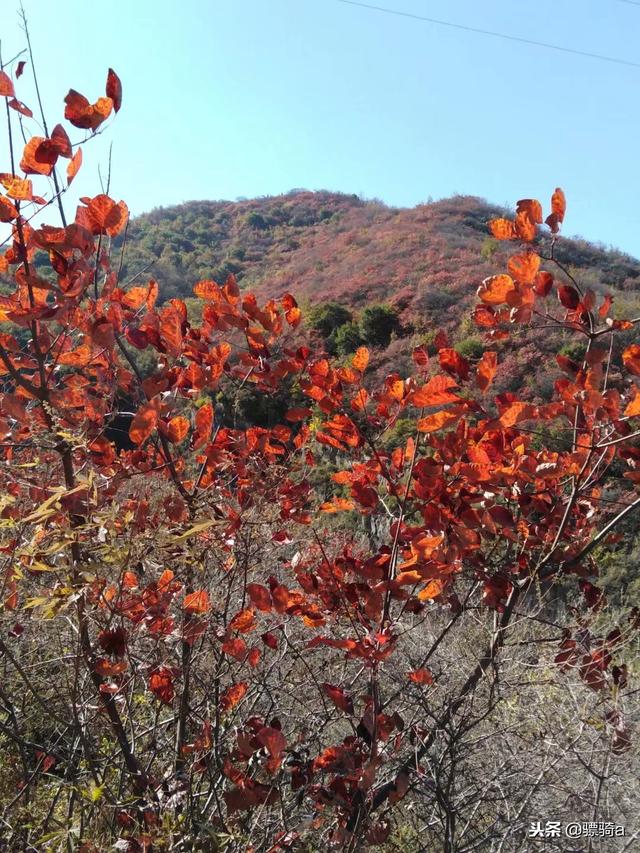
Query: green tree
{"points": [[377, 322], [327, 317], [347, 338]]}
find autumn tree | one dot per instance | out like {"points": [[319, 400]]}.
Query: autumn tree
{"points": [[197, 653]]}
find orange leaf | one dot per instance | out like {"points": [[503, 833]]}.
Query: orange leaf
{"points": [[6, 85], [558, 209], [244, 621], [432, 590], [515, 413], [102, 215], [525, 226], [494, 290], [233, 695], [360, 359], [531, 208], [631, 359], [503, 229], [114, 89], [559, 204], [337, 505], [633, 408], [197, 602], [486, 370], [31, 163], [177, 429], [435, 393], [207, 289], [17, 188], [144, 422], [424, 545], [437, 421], [524, 268], [74, 166]]}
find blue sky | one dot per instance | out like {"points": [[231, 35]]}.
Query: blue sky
{"points": [[229, 98]]}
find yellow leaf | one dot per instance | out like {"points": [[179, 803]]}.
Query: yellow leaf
{"points": [[192, 531]]}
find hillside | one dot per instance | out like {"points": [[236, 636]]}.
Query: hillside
{"points": [[425, 262]]}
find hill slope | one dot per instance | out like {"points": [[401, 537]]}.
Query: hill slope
{"points": [[426, 262]]}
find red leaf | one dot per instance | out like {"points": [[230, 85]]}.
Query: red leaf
{"points": [[274, 742], [114, 641], [260, 596], [270, 640], [19, 107], [204, 424], [568, 296], [114, 89], [20, 68], [8, 210], [31, 163], [421, 676], [453, 362], [300, 414], [161, 684], [236, 648], [339, 698], [84, 115], [543, 283]]}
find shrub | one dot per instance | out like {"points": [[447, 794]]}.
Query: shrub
{"points": [[347, 338], [377, 323], [471, 347], [327, 317]]}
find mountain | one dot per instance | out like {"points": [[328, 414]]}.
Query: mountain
{"points": [[424, 263]]}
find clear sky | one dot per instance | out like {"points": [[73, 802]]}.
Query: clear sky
{"points": [[229, 98]]}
